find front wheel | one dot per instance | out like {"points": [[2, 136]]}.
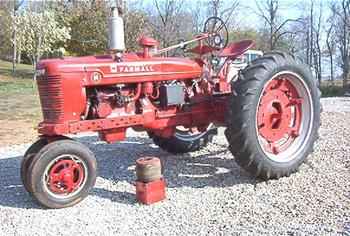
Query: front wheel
{"points": [[27, 159], [61, 174], [274, 116]]}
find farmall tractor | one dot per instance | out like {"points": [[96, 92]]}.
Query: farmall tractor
{"points": [[271, 108]]}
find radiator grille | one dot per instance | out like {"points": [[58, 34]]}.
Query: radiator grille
{"points": [[51, 98]]}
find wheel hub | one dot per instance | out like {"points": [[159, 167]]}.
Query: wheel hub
{"points": [[65, 176], [279, 114]]}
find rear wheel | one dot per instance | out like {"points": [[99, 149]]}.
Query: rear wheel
{"points": [[274, 116], [185, 140], [61, 174]]}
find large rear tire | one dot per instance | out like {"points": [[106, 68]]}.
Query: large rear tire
{"points": [[273, 116]]}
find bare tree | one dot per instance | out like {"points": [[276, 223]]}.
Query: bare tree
{"points": [[308, 24], [268, 10], [341, 14], [214, 7], [310, 34], [224, 10], [317, 50], [166, 22], [198, 15], [331, 45], [16, 5]]}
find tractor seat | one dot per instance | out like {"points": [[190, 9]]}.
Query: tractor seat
{"points": [[233, 50], [148, 42], [201, 49]]}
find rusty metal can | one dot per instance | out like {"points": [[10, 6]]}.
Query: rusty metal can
{"points": [[148, 169]]}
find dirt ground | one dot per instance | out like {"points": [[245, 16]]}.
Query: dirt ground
{"points": [[19, 117], [16, 132], [20, 110]]}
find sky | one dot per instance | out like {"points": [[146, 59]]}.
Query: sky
{"points": [[289, 8]]}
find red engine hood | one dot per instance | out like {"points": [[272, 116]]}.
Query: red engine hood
{"points": [[130, 70]]}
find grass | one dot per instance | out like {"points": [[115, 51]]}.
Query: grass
{"points": [[18, 96], [19, 105], [330, 89], [22, 70]]}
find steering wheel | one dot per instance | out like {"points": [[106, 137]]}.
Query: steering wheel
{"points": [[217, 30]]}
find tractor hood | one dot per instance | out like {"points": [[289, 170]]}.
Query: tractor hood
{"points": [[132, 68]]}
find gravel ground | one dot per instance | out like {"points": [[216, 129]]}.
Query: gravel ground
{"points": [[208, 194]]}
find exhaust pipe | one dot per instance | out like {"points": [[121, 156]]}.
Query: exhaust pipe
{"points": [[116, 41]]}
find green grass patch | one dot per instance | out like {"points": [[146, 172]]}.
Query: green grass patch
{"points": [[19, 98], [10, 86], [22, 70], [22, 83], [332, 91]]}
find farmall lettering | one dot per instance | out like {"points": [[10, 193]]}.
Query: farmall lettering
{"points": [[131, 68]]}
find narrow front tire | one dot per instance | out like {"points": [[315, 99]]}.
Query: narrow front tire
{"points": [[62, 173]]}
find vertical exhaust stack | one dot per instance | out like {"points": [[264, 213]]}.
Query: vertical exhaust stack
{"points": [[116, 42]]}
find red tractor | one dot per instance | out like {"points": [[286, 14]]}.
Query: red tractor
{"points": [[271, 108]]}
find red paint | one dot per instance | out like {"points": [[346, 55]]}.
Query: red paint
{"points": [[147, 88], [69, 84], [148, 41], [201, 114], [65, 176], [233, 50], [202, 49], [103, 110], [152, 192], [138, 93], [112, 135], [81, 69], [279, 114]]}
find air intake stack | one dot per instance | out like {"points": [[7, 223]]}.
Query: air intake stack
{"points": [[116, 31]]}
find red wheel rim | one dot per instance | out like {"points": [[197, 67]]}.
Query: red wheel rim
{"points": [[279, 114], [65, 176]]}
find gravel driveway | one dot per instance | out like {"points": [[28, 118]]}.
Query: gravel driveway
{"points": [[208, 194]]}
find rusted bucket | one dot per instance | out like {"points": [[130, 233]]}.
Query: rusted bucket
{"points": [[150, 184]]}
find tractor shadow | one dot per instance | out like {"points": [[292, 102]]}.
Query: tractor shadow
{"points": [[116, 163]]}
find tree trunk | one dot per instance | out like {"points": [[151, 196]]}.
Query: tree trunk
{"points": [[308, 47], [19, 57], [311, 51], [344, 81], [345, 78], [332, 69], [319, 59], [330, 52], [34, 68], [14, 46], [320, 74]]}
